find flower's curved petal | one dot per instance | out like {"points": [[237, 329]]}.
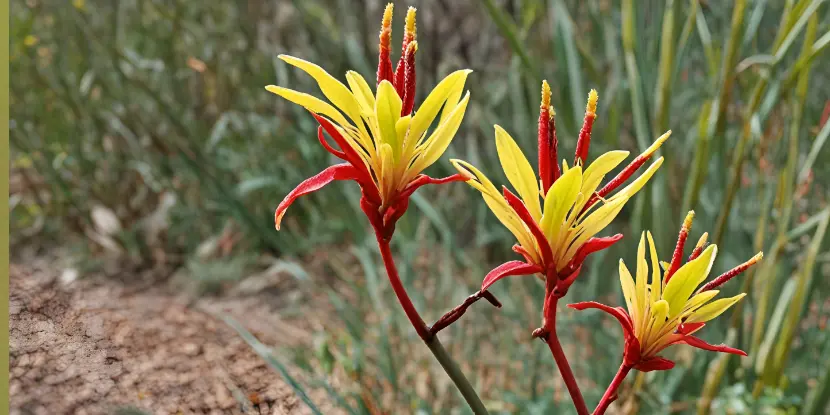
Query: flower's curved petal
{"points": [[342, 171], [352, 155], [434, 146], [327, 146], [497, 204], [334, 90], [508, 269], [654, 363], [309, 102], [689, 328], [594, 245], [361, 91], [526, 217], [616, 312], [697, 301], [423, 179], [713, 309], [700, 344], [629, 292], [558, 201], [451, 86], [519, 172], [684, 282]]}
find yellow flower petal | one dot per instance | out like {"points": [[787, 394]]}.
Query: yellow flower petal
{"points": [[558, 201], [452, 85], [684, 282], [519, 171], [310, 103], [361, 91], [497, 204], [440, 139], [629, 292], [595, 172], [453, 96], [713, 309], [656, 280], [641, 280], [698, 300], [388, 109], [334, 90], [592, 225]]}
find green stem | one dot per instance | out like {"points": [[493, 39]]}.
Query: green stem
{"points": [[456, 375], [431, 340]]}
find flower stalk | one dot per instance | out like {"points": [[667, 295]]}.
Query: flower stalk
{"points": [[610, 394], [430, 338]]}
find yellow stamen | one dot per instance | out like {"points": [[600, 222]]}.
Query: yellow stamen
{"points": [[591, 108], [687, 223], [410, 23], [702, 240], [659, 142], [754, 260], [386, 27], [387, 16], [546, 96]]}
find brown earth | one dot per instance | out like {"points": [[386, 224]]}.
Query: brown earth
{"points": [[98, 346]]}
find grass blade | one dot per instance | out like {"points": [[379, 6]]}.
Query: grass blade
{"points": [[266, 354]]}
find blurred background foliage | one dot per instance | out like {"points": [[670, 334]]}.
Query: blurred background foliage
{"points": [[141, 128]]}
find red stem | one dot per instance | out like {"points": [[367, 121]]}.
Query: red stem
{"points": [[611, 393], [400, 291], [561, 360]]}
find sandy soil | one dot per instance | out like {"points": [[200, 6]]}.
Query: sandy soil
{"points": [[97, 346]]}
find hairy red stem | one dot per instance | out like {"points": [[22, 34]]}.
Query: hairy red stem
{"points": [[400, 291], [611, 393], [561, 360]]}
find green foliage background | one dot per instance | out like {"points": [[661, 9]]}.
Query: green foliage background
{"points": [[118, 103]]}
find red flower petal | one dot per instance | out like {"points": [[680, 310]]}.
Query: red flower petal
{"points": [[508, 269], [594, 245], [521, 210], [327, 146], [351, 154], [689, 328], [523, 252], [423, 179], [700, 344], [617, 312], [342, 171], [654, 363]]}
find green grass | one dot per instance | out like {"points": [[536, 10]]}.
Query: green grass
{"points": [[123, 101]]}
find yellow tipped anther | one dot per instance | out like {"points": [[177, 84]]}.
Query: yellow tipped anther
{"points": [[546, 96], [702, 240], [754, 260], [687, 223], [656, 145], [387, 16], [410, 23], [592, 102]]}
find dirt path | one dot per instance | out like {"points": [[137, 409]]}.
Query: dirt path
{"points": [[93, 346]]}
